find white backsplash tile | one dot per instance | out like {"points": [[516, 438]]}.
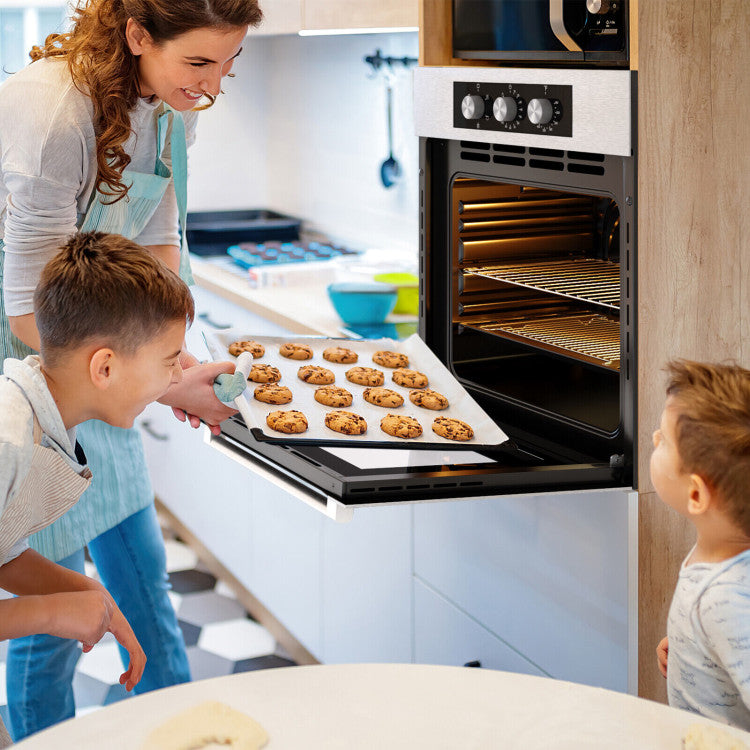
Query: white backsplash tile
{"points": [[302, 129]]}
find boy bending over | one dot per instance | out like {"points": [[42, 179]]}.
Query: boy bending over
{"points": [[112, 322], [701, 467]]}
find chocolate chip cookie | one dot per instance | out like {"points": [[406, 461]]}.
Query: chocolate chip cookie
{"points": [[264, 374], [410, 378], [340, 355], [390, 359], [287, 421], [237, 347], [295, 351], [273, 394], [333, 395], [315, 375], [383, 397], [346, 422], [428, 399], [401, 426], [453, 429], [365, 376]]}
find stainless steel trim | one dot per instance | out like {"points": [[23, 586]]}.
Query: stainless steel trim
{"points": [[601, 107], [294, 484], [558, 26]]}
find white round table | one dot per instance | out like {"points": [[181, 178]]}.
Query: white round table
{"points": [[393, 706]]}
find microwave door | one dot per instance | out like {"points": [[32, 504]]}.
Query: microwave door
{"points": [[338, 480]]}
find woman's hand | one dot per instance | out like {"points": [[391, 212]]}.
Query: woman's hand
{"points": [[193, 398], [120, 628], [662, 652]]}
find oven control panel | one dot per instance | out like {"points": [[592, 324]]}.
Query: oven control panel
{"points": [[541, 109]]}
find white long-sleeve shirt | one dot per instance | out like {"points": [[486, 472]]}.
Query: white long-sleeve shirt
{"points": [[708, 668], [48, 171]]}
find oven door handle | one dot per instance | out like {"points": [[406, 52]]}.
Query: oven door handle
{"points": [[558, 26], [289, 482]]}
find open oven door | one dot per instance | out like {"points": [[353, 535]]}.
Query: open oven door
{"points": [[336, 480]]}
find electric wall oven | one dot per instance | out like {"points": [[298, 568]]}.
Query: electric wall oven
{"points": [[527, 292]]}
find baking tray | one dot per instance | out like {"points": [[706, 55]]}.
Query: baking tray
{"points": [[487, 434]]}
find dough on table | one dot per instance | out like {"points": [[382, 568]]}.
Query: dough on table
{"points": [[707, 737], [211, 722]]}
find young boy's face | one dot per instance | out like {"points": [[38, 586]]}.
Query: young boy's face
{"points": [[670, 481], [146, 375]]}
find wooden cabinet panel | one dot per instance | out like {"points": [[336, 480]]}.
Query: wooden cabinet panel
{"points": [[693, 246], [279, 17], [345, 14]]}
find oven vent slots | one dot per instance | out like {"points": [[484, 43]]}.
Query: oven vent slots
{"points": [[584, 279], [577, 162], [587, 337]]}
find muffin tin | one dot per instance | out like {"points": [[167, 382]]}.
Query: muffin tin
{"points": [[461, 405]]}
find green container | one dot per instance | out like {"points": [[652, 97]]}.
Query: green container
{"points": [[407, 301]]}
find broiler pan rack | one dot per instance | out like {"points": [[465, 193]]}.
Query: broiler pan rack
{"points": [[589, 337], [583, 279]]}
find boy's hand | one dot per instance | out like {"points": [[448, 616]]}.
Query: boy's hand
{"points": [[193, 397], [662, 652], [81, 615], [120, 628]]}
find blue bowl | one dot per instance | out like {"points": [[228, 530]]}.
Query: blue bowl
{"points": [[362, 303]]}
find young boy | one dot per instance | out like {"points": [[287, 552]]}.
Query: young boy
{"points": [[112, 321], [701, 467]]}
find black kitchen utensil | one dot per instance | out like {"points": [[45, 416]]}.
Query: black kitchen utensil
{"points": [[390, 169]]}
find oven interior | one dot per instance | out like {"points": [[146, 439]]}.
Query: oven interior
{"points": [[536, 318]]}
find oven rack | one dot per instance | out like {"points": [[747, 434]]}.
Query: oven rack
{"points": [[588, 337], [584, 279]]}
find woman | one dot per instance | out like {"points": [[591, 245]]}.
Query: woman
{"points": [[92, 136]]}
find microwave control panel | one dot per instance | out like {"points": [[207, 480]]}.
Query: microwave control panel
{"points": [[540, 109]]}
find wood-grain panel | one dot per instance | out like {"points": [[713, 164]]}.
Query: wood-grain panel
{"points": [[664, 539], [337, 14], [693, 262]]}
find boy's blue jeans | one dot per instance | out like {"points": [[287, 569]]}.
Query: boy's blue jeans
{"points": [[131, 562]]}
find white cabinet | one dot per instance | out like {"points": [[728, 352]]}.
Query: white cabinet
{"points": [[449, 636], [552, 576], [367, 591]]}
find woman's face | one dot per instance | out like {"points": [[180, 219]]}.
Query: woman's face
{"points": [[182, 70]]}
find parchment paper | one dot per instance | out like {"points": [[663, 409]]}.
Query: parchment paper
{"points": [[461, 405]]}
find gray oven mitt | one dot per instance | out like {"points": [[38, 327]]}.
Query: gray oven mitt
{"points": [[229, 387]]}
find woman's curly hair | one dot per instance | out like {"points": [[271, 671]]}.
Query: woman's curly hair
{"points": [[103, 67]]}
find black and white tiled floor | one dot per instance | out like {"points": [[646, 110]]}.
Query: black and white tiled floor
{"points": [[220, 636]]}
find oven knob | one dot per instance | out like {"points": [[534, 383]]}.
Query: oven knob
{"points": [[597, 6], [539, 111], [472, 107], [505, 109]]}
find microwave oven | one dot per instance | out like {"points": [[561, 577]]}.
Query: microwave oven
{"points": [[584, 32]]}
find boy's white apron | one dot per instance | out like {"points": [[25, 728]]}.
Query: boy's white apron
{"points": [[121, 485], [50, 488]]}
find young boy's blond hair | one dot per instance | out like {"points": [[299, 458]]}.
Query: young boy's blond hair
{"points": [[713, 430]]}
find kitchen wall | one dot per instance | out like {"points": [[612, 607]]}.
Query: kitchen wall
{"points": [[302, 129]]}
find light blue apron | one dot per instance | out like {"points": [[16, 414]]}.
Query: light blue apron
{"points": [[121, 484]]}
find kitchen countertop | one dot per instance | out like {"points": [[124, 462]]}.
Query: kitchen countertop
{"points": [[303, 309], [369, 706]]}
